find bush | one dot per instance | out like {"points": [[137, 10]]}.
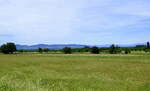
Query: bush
{"points": [[45, 49], [67, 50], [21, 51], [147, 48], [114, 49], [127, 51], [95, 50], [40, 50], [86, 49]]}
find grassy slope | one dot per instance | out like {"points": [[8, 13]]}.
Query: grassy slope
{"points": [[74, 73]]}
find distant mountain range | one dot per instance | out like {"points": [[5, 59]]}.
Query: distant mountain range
{"points": [[57, 46], [61, 46]]}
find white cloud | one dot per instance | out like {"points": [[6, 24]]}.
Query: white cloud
{"points": [[36, 21]]}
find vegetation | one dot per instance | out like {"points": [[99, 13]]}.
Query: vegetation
{"points": [[8, 48], [147, 48], [32, 72], [21, 51], [95, 50], [29, 71], [148, 45], [67, 50], [127, 51], [40, 50], [114, 49], [45, 50]]}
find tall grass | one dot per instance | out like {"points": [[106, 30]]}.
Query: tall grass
{"points": [[24, 72]]}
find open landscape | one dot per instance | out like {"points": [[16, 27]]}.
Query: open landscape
{"points": [[74, 45], [37, 72]]}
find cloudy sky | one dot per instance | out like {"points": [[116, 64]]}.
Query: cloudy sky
{"points": [[74, 21]]}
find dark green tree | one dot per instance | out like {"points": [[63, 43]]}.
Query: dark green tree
{"points": [[148, 45], [86, 49], [45, 50], [114, 49], [95, 50], [4, 49], [127, 51], [40, 50], [8, 48], [21, 50], [67, 50], [147, 48]]}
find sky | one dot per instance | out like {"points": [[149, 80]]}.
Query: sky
{"points": [[74, 21]]}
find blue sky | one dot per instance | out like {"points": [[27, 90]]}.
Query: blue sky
{"points": [[74, 21]]}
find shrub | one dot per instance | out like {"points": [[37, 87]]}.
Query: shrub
{"points": [[127, 51], [67, 50], [114, 49], [21, 51], [40, 50], [95, 50], [45, 49]]}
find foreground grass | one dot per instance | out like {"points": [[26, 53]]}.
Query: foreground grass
{"points": [[74, 73]]}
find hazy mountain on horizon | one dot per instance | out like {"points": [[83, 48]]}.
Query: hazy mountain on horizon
{"points": [[53, 46], [61, 46]]}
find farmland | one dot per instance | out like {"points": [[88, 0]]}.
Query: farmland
{"points": [[41, 72]]}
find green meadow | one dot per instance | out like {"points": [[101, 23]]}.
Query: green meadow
{"points": [[41, 72]]}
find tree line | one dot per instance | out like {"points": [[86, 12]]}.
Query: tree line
{"points": [[10, 48]]}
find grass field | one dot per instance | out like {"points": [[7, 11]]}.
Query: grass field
{"points": [[25, 72]]}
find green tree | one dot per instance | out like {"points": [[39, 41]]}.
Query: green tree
{"points": [[67, 50], [147, 48], [127, 51], [114, 49], [45, 49], [4, 49], [95, 50], [8, 48], [148, 45], [86, 49], [40, 50], [21, 50]]}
